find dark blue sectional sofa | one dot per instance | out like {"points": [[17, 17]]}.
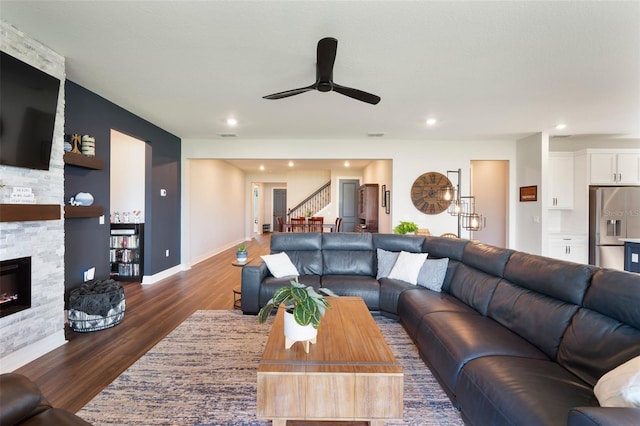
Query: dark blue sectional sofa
{"points": [[513, 338]]}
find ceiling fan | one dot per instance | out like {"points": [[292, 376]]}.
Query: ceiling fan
{"points": [[326, 57]]}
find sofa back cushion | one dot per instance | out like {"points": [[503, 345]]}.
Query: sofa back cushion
{"points": [[473, 287], [595, 344], [540, 319], [606, 332], [450, 248], [304, 249], [489, 259], [398, 243], [345, 253], [555, 278]]}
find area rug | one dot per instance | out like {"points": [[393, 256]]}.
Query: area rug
{"points": [[204, 373]]}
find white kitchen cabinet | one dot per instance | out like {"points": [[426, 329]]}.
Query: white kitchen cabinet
{"points": [[561, 180], [614, 168], [573, 248]]}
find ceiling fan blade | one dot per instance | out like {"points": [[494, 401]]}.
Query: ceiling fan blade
{"points": [[356, 94], [288, 93], [326, 57]]}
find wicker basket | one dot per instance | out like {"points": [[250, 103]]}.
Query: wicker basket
{"points": [[96, 305]]}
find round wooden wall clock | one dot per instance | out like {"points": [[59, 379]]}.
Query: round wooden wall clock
{"points": [[424, 193]]}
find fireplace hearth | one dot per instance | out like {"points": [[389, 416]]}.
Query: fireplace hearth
{"points": [[15, 285]]}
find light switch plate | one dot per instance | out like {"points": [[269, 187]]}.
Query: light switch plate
{"points": [[634, 257]]}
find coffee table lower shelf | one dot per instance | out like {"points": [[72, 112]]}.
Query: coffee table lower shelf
{"points": [[349, 375]]}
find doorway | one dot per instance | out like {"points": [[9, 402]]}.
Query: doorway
{"points": [[348, 204], [490, 186], [127, 177], [279, 207]]}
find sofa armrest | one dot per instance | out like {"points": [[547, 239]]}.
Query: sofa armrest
{"points": [[601, 416], [20, 398], [252, 276]]}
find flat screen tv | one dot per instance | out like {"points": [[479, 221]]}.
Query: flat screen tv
{"points": [[28, 103]]}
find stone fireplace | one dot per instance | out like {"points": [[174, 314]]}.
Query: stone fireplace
{"points": [[31, 332]]}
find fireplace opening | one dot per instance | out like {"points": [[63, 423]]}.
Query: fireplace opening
{"points": [[15, 285]]}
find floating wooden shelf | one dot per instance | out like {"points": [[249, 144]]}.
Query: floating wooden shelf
{"points": [[80, 160], [29, 212], [72, 212]]}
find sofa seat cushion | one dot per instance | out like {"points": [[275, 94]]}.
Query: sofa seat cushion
{"points": [[390, 291], [417, 302], [502, 390], [449, 340], [364, 286], [271, 284]]}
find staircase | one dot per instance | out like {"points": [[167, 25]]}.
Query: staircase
{"points": [[313, 203]]}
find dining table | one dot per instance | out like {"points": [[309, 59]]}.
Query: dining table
{"points": [[286, 227]]}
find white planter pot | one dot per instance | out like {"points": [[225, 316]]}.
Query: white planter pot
{"points": [[294, 332]]}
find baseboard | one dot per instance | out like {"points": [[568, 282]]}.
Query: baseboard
{"points": [[31, 352], [152, 279]]}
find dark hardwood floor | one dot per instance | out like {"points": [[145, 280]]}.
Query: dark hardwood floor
{"points": [[71, 375]]}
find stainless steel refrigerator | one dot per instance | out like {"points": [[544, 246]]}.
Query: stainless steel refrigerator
{"points": [[614, 213]]}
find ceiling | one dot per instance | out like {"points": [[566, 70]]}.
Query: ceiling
{"points": [[485, 70]]}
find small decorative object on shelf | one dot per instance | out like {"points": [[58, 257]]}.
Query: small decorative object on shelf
{"points": [[67, 143], [241, 253], [81, 199], [116, 217], [76, 142], [88, 146], [137, 216], [22, 195], [305, 308]]}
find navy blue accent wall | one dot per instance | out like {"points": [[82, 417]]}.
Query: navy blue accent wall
{"points": [[86, 241]]}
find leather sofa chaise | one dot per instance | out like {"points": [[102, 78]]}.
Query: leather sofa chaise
{"points": [[22, 403], [513, 338]]}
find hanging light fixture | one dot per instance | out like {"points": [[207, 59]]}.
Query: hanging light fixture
{"points": [[464, 207]]}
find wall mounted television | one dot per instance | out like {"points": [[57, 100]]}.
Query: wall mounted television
{"points": [[28, 103]]}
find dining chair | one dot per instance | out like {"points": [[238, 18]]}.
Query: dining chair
{"points": [[280, 224], [449, 235], [297, 224], [315, 224], [338, 224]]}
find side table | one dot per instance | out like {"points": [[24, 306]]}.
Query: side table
{"points": [[237, 292]]}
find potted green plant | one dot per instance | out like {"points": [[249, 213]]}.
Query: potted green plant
{"points": [[305, 307], [241, 253], [406, 228]]}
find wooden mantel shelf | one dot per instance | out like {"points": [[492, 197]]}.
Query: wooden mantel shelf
{"points": [[71, 212], [83, 161], [29, 212]]}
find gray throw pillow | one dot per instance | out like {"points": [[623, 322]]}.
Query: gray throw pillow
{"points": [[432, 273], [386, 260]]}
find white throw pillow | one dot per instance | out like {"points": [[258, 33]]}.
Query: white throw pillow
{"points": [[280, 265], [386, 260], [620, 387], [408, 266], [432, 273]]}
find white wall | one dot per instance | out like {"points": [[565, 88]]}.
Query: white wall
{"points": [[127, 174], [215, 193], [532, 158], [410, 159]]}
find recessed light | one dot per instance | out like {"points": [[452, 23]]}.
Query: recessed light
{"points": [[561, 126], [227, 135], [290, 163], [261, 167], [232, 122], [431, 122], [346, 164]]}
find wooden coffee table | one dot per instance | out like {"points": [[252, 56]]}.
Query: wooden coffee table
{"points": [[350, 374]]}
